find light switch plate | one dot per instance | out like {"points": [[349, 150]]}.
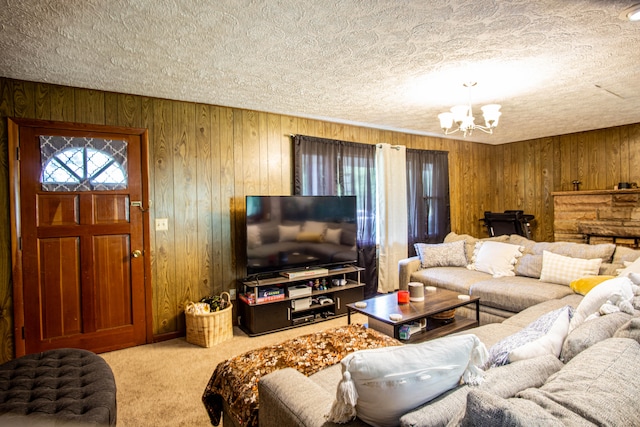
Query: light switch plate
{"points": [[162, 224]]}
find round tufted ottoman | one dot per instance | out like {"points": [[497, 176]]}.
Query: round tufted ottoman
{"points": [[60, 386]]}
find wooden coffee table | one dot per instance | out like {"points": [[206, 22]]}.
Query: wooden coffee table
{"points": [[379, 309]]}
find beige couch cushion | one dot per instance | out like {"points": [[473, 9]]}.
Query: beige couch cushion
{"points": [[530, 264], [585, 384], [491, 333], [630, 329], [579, 394], [624, 253], [603, 251], [488, 409], [591, 332], [516, 239], [458, 279], [516, 293], [530, 314]]}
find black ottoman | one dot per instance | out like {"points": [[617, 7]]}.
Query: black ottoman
{"points": [[64, 386]]}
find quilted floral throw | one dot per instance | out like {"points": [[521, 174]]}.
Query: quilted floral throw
{"points": [[235, 381]]}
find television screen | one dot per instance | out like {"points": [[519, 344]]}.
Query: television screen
{"points": [[297, 232]]}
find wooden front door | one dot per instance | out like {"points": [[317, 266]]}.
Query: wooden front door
{"points": [[81, 236]]}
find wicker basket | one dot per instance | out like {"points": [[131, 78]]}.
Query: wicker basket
{"points": [[209, 329]]}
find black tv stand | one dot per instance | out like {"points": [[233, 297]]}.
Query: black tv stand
{"points": [[297, 306]]}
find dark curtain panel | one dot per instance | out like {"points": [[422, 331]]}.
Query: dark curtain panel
{"points": [[316, 166], [427, 196], [324, 167]]}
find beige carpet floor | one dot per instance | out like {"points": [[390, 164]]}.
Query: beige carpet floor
{"points": [[161, 384]]}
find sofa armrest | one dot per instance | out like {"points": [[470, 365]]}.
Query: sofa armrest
{"points": [[406, 267], [288, 398]]}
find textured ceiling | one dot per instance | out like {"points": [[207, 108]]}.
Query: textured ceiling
{"points": [[556, 66]]}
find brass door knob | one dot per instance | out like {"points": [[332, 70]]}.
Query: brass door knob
{"points": [[136, 254]]}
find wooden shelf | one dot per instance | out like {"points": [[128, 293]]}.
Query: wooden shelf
{"points": [[271, 316], [282, 280], [459, 324], [350, 285], [312, 307], [596, 192]]}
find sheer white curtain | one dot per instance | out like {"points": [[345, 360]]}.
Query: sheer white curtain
{"points": [[391, 182]]}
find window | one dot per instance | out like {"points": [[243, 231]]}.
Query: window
{"points": [[331, 167], [427, 196], [82, 164], [337, 168]]}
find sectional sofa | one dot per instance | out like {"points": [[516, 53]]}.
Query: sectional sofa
{"points": [[591, 383], [504, 294], [587, 377]]}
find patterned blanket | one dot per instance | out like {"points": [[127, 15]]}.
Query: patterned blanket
{"points": [[235, 381]]}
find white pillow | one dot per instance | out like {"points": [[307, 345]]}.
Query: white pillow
{"points": [[549, 343], [499, 353], [314, 227], [288, 233], [496, 258], [564, 270], [634, 267], [597, 296], [441, 254], [332, 235], [385, 383]]}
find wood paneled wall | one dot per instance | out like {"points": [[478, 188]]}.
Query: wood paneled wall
{"points": [[527, 172], [205, 159]]}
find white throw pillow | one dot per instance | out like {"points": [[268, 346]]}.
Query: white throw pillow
{"points": [[385, 383], [634, 267], [597, 296], [332, 235], [496, 258], [499, 353], [314, 227], [549, 343], [563, 270], [442, 254], [288, 233]]}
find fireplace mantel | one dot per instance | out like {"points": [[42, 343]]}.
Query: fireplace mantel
{"points": [[597, 216], [596, 192]]}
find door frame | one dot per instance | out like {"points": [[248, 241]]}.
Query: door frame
{"points": [[14, 125]]}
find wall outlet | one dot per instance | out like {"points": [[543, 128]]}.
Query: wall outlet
{"points": [[232, 294], [162, 224]]}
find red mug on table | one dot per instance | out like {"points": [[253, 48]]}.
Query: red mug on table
{"points": [[403, 297]]}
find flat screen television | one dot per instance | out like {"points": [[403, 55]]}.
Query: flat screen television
{"points": [[299, 232]]}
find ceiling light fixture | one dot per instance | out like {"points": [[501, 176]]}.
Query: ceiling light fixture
{"points": [[631, 13], [462, 115]]}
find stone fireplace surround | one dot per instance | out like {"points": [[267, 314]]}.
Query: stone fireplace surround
{"points": [[597, 216]]}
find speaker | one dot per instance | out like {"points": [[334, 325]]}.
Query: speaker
{"points": [[416, 291]]}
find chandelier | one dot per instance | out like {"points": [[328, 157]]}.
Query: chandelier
{"points": [[462, 116]]}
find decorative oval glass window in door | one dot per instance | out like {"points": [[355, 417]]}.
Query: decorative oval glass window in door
{"points": [[82, 164]]}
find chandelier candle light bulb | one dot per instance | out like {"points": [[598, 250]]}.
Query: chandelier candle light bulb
{"points": [[462, 115]]}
